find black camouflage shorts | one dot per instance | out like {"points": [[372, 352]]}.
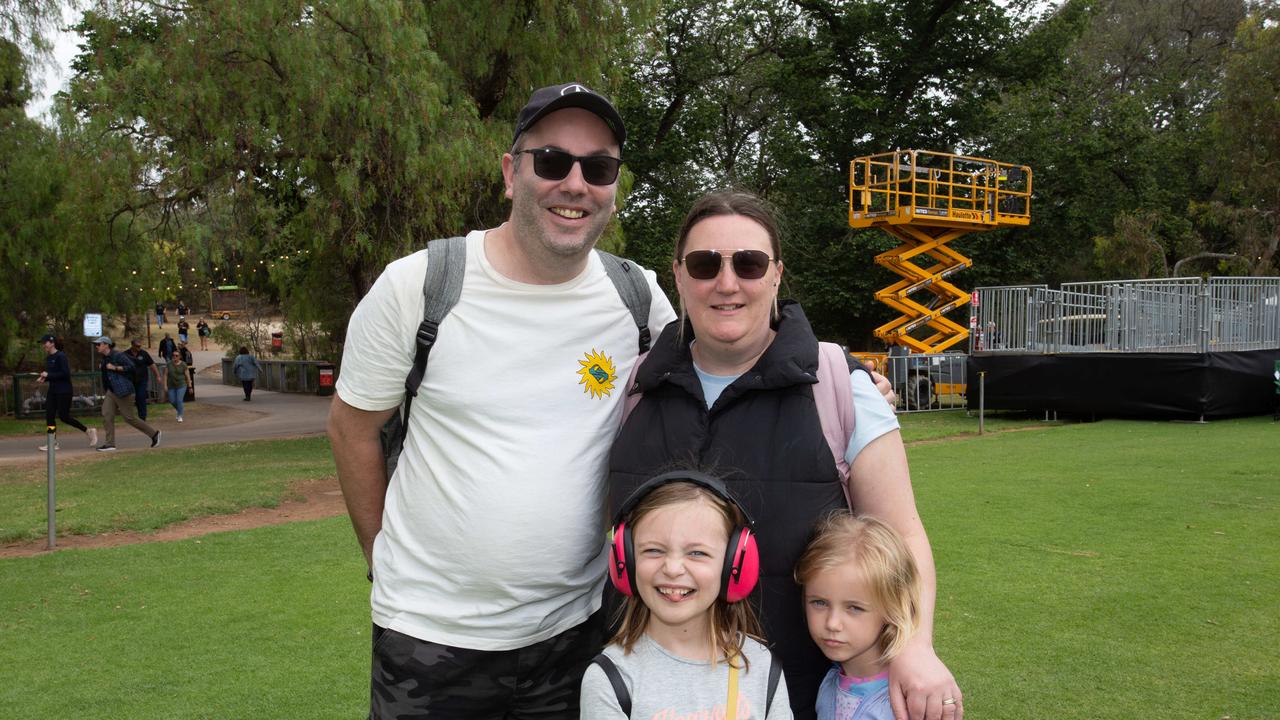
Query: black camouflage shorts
{"points": [[414, 679]]}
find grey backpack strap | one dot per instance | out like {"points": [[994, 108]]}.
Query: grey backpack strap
{"points": [[441, 288], [633, 289], [615, 679], [775, 674]]}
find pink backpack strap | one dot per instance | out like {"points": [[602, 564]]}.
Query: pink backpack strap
{"points": [[629, 401], [834, 397]]}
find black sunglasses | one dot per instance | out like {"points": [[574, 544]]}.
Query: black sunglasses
{"points": [[552, 164], [747, 264]]}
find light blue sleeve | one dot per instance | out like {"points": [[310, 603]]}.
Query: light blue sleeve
{"points": [[873, 416]]}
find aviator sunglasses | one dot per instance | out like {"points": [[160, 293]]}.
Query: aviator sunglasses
{"points": [[552, 164], [747, 264]]}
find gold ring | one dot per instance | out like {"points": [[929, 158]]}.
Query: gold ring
{"points": [[948, 701]]}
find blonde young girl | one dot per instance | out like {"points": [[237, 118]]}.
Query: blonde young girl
{"points": [[683, 555], [862, 603]]}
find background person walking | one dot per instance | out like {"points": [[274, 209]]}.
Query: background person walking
{"points": [[176, 382], [246, 369], [143, 367], [57, 403], [202, 329], [117, 386], [167, 346]]}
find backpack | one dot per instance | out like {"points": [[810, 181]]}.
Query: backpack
{"points": [[833, 395], [623, 695], [441, 288]]}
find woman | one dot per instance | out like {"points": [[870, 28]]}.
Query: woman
{"points": [[176, 382], [57, 403], [729, 387], [246, 370], [202, 329]]}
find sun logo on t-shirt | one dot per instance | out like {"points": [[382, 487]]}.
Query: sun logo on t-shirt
{"points": [[597, 374]]}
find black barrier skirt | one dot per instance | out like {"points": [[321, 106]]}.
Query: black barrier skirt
{"points": [[1147, 385]]}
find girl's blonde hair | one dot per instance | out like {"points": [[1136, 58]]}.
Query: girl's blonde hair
{"points": [[728, 622], [886, 563]]}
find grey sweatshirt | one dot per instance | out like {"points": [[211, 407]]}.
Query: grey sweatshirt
{"points": [[666, 687]]}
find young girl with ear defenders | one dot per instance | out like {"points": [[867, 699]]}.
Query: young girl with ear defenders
{"points": [[683, 554]]}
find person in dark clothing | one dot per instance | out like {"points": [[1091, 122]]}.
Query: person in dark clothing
{"points": [[57, 404], [202, 330], [167, 346], [182, 310], [159, 314], [183, 328], [730, 386], [143, 368]]}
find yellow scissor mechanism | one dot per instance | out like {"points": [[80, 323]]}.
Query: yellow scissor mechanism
{"points": [[926, 200]]}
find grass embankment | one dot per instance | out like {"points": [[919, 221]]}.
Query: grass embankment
{"points": [[1100, 571]]}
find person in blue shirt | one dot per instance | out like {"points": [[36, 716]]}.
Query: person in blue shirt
{"points": [[117, 387]]}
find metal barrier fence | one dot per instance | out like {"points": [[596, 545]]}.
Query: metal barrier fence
{"points": [[292, 376], [86, 398], [923, 382], [1170, 315], [30, 396]]}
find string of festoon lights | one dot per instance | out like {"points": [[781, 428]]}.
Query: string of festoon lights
{"points": [[239, 267]]}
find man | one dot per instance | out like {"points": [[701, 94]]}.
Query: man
{"points": [[488, 567], [117, 386], [183, 328], [486, 547], [143, 367], [159, 313], [167, 346]]}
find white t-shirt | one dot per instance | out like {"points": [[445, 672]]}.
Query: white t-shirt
{"points": [[491, 534], [663, 685]]}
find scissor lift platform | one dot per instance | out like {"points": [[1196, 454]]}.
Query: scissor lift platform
{"points": [[926, 200]]}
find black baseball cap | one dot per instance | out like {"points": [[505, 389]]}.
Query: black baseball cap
{"points": [[558, 97], [48, 338]]}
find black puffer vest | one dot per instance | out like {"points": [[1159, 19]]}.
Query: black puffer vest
{"points": [[764, 438]]}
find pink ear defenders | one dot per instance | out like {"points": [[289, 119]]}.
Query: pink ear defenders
{"points": [[741, 559]]}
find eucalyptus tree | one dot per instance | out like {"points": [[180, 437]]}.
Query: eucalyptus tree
{"points": [[1245, 156], [314, 142]]}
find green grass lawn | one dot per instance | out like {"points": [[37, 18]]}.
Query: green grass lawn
{"points": [[1110, 570], [146, 491], [271, 623], [918, 427]]}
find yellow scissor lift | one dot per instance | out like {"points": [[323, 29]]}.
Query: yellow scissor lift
{"points": [[926, 200]]}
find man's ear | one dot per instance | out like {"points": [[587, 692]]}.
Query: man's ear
{"points": [[508, 172]]}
